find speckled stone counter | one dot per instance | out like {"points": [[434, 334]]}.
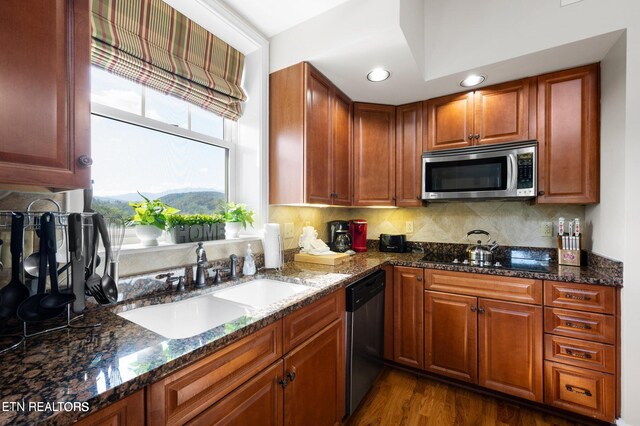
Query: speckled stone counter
{"points": [[101, 365]]}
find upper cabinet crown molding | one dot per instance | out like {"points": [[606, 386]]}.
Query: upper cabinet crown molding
{"points": [[45, 108], [310, 135]]}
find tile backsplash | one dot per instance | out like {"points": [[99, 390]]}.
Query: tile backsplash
{"points": [[512, 223]]}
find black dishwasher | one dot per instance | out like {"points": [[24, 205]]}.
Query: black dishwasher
{"points": [[365, 336]]}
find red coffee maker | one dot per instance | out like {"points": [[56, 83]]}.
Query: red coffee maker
{"points": [[358, 231]]}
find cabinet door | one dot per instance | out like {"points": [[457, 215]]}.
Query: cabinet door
{"points": [[409, 155], [408, 313], [44, 108], [449, 122], [374, 154], [388, 312], [502, 113], [568, 136], [257, 402], [451, 340], [510, 348], [315, 371], [342, 150], [318, 165], [127, 411]]}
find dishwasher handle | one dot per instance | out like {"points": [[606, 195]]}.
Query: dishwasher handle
{"points": [[364, 290]]}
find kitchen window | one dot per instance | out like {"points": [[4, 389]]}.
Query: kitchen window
{"points": [[159, 145]]}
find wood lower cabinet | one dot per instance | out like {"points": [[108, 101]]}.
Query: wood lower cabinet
{"points": [[315, 371], [510, 348], [569, 136], [495, 114], [257, 402], [408, 315], [45, 106], [128, 411], [310, 139], [451, 335], [388, 313]]}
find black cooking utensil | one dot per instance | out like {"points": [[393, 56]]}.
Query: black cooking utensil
{"points": [[14, 293], [30, 309], [94, 281], [109, 288], [55, 299], [77, 261]]}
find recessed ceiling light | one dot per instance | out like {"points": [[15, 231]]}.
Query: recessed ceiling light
{"points": [[472, 80], [378, 74]]}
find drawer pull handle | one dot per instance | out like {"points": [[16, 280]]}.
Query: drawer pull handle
{"points": [[583, 355], [575, 297], [579, 326], [579, 391]]}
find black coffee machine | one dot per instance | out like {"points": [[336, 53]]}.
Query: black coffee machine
{"points": [[336, 227]]}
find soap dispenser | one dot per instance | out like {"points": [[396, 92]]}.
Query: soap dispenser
{"points": [[249, 266]]}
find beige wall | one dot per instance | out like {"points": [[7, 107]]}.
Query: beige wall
{"points": [[511, 223]]}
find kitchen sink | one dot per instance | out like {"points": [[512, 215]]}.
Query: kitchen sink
{"points": [[186, 318], [261, 293]]}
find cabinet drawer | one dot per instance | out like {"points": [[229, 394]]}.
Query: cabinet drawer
{"points": [[482, 285], [305, 322], [181, 396], [582, 297], [582, 391], [581, 353], [582, 325]]}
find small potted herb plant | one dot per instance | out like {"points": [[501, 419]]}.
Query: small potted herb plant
{"points": [[150, 218], [236, 216], [186, 228]]}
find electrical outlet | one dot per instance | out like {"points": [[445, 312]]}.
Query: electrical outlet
{"points": [[288, 230], [408, 227], [546, 229]]}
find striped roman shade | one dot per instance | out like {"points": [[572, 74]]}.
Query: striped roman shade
{"points": [[153, 44]]}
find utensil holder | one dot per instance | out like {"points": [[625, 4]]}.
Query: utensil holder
{"points": [[570, 257]]}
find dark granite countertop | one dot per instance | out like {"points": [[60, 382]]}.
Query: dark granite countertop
{"points": [[101, 365]]}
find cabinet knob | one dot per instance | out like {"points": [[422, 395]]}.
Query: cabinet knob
{"points": [[334, 194], [291, 376], [540, 192], [418, 277], [481, 310], [284, 382], [85, 161], [474, 309], [470, 136], [477, 136]]}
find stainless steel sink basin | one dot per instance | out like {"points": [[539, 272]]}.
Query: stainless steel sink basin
{"points": [[261, 293], [186, 318]]}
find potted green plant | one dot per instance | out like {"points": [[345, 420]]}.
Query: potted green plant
{"points": [[236, 216], [186, 228], [150, 219]]}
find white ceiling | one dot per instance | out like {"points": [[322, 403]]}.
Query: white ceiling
{"points": [[274, 16]]}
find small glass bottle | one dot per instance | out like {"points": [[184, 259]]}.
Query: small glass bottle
{"points": [[249, 266]]}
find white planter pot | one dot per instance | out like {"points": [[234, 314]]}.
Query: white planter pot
{"points": [[148, 235], [232, 229]]}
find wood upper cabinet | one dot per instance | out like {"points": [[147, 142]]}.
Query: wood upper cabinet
{"points": [[495, 114], [374, 154], [409, 155], [569, 136], [310, 152], [315, 374], [451, 323], [45, 107], [510, 348], [408, 314]]}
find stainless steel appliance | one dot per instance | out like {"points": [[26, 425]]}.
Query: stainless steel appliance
{"points": [[481, 172], [365, 336], [479, 254]]}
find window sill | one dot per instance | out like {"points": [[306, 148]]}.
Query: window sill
{"points": [[164, 246]]}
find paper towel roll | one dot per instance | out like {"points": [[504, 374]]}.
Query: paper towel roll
{"points": [[272, 246]]}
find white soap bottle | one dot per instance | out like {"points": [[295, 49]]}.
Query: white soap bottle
{"points": [[249, 266]]}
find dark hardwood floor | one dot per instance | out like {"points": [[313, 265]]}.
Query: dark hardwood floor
{"points": [[400, 398]]}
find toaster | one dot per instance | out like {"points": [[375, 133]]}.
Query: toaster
{"points": [[393, 243]]}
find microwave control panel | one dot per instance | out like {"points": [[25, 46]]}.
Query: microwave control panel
{"points": [[526, 175]]}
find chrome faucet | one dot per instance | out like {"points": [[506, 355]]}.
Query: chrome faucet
{"points": [[201, 261]]}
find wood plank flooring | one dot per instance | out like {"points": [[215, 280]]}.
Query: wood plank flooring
{"points": [[400, 398]]}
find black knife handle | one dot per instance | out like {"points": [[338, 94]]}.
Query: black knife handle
{"points": [[17, 233]]}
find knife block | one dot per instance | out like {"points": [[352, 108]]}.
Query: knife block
{"points": [[570, 257]]}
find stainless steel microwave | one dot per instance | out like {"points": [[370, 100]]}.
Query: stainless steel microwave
{"points": [[481, 172]]}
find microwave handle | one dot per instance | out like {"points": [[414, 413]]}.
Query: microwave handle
{"points": [[512, 171]]}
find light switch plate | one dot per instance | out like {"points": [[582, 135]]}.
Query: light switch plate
{"points": [[546, 229], [288, 230]]}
